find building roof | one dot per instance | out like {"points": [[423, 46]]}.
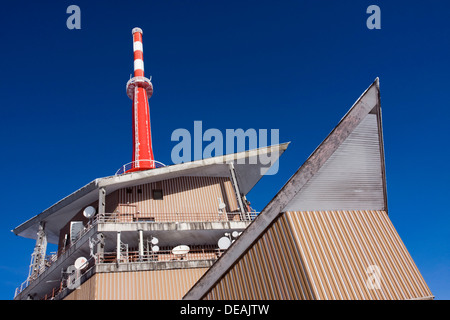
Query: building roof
{"points": [[345, 172], [249, 170], [325, 255]]}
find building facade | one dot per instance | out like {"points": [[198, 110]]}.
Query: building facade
{"points": [[326, 235]]}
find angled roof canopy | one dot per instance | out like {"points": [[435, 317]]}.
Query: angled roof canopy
{"points": [[345, 172], [249, 170]]}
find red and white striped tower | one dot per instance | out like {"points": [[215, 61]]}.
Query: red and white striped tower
{"points": [[140, 89]]}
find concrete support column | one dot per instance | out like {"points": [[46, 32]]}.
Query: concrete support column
{"points": [[101, 200], [118, 247], [236, 189], [141, 245], [99, 243]]}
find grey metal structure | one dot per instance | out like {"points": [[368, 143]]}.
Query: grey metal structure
{"points": [[346, 169]]}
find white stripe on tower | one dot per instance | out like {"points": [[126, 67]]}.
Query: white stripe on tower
{"points": [[138, 64], [137, 45], [138, 52]]}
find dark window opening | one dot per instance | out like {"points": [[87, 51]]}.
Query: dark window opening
{"points": [[157, 194]]}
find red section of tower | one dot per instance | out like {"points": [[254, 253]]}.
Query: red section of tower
{"points": [[140, 89]]}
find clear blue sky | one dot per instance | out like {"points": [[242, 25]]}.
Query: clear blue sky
{"points": [[296, 66]]}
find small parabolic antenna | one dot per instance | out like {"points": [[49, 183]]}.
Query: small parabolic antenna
{"points": [[236, 234], [155, 248], [224, 243], [89, 212], [81, 263], [155, 240], [182, 249]]}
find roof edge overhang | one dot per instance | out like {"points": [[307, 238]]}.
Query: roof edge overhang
{"points": [[84, 195]]}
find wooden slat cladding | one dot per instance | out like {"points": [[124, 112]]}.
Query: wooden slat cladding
{"points": [[272, 269], [332, 255], [146, 285], [197, 198], [85, 291], [339, 248]]}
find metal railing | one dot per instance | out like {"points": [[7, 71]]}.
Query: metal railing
{"points": [[50, 259], [139, 163], [137, 218], [175, 217], [132, 257], [161, 256]]}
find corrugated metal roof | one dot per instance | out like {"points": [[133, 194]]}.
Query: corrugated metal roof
{"points": [[325, 255], [352, 158], [146, 285], [138, 285], [352, 176]]}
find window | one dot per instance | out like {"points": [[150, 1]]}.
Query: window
{"points": [[157, 194]]}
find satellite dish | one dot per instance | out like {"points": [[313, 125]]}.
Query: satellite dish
{"points": [[80, 263], [180, 250], [155, 248], [224, 243], [235, 234], [89, 212], [155, 240]]}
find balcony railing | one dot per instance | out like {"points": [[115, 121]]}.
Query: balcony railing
{"points": [[136, 218], [132, 257], [174, 217], [161, 256]]}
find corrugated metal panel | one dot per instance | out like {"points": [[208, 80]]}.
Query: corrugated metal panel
{"points": [[331, 255], [339, 248], [194, 198], [146, 285], [272, 269], [351, 178], [85, 291]]}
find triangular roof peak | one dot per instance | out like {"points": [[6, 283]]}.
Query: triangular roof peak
{"points": [[346, 169]]}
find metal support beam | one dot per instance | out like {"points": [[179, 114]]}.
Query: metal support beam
{"points": [[38, 256], [236, 189]]}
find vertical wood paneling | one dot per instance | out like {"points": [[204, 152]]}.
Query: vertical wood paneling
{"points": [[85, 291], [324, 255], [146, 285], [184, 198], [271, 269]]}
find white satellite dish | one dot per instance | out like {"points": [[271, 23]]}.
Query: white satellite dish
{"points": [[155, 240], [235, 234], [224, 243], [180, 249], [222, 206], [80, 263], [155, 248], [89, 212]]}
